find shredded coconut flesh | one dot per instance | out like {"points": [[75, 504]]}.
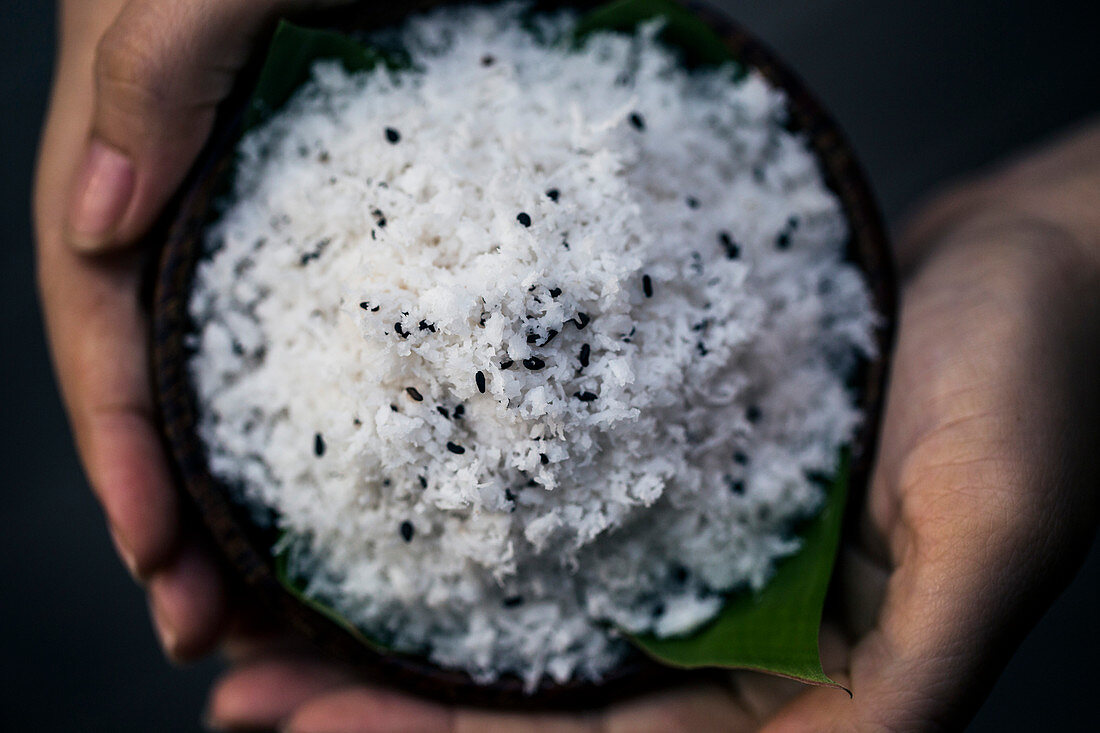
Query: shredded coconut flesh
{"points": [[527, 345]]}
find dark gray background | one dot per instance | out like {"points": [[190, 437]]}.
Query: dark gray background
{"points": [[926, 91]]}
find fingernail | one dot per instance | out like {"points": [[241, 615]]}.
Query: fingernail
{"points": [[103, 190], [124, 552], [167, 635]]}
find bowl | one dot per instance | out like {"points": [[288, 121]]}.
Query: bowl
{"points": [[246, 547]]}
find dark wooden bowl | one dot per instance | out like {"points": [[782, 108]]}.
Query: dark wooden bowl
{"points": [[246, 547]]}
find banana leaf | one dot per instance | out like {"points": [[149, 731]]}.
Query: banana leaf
{"points": [[774, 630]]}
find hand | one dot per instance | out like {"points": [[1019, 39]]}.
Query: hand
{"points": [[980, 507], [134, 98]]}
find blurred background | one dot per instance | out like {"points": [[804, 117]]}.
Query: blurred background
{"points": [[926, 91]]}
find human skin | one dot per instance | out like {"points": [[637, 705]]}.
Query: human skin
{"points": [[981, 504]]}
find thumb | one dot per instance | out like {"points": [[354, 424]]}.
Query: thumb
{"points": [[160, 71]]}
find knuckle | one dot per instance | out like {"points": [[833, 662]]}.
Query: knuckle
{"points": [[981, 496], [128, 72]]}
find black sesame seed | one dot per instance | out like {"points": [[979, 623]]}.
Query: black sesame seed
{"points": [[740, 458], [732, 248], [375, 309], [553, 194], [753, 414], [459, 411], [379, 217], [406, 530], [581, 321], [586, 351], [697, 263], [479, 379], [523, 218], [423, 481], [701, 348], [387, 482], [455, 448], [647, 286], [555, 292], [393, 408], [512, 601], [318, 445], [426, 326], [532, 338], [509, 495], [692, 202], [737, 487], [442, 411], [365, 305], [534, 363], [400, 331], [550, 336], [659, 610], [392, 135], [792, 223], [783, 241], [414, 393], [544, 459], [585, 396], [506, 364], [637, 121], [487, 60], [679, 574]]}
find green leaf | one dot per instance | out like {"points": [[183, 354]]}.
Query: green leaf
{"points": [[290, 59], [683, 30], [776, 629], [297, 589]]}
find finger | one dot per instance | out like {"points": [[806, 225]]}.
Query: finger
{"points": [[702, 708], [160, 70], [254, 633], [187, 600], [97, 336], [480, 721], [367, 710], [263, 693]]}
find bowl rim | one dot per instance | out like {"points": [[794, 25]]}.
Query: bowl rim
{"points": [[241, 543]]}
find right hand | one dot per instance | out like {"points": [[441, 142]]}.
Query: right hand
{"points": [[135, 92]]}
